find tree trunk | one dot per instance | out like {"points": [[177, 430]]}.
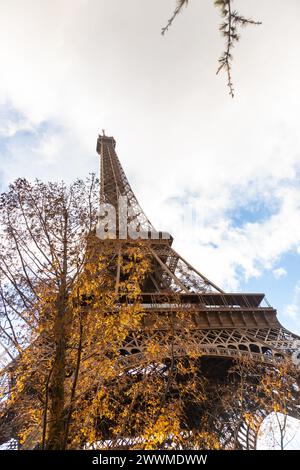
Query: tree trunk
{"points": [[56, 433]]}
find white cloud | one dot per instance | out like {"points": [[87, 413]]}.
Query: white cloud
{"points": [[278, 273], [11, 122], [225, 250], [9, 128], [86, 65], [292, 310], [49, 146]]}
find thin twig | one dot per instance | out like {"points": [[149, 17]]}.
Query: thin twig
{"points": [[180, 5]]}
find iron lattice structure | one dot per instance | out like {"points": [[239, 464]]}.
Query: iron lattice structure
{"points": [[220, 326]]}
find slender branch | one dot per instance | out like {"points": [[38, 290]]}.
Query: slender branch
{"points": [[228, 29], [232, 19], [180, 5]]}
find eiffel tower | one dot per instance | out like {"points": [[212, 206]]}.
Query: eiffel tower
{"points": [[220, 328], [223, 327]]}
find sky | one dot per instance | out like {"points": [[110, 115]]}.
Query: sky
{"points": [[70, 68], [221, 174]]}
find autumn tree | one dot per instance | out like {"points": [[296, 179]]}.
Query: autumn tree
{"points": [[63, 323], [44, 229]]}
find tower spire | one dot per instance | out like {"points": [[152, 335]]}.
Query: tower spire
{"points": [[114, 183]]}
